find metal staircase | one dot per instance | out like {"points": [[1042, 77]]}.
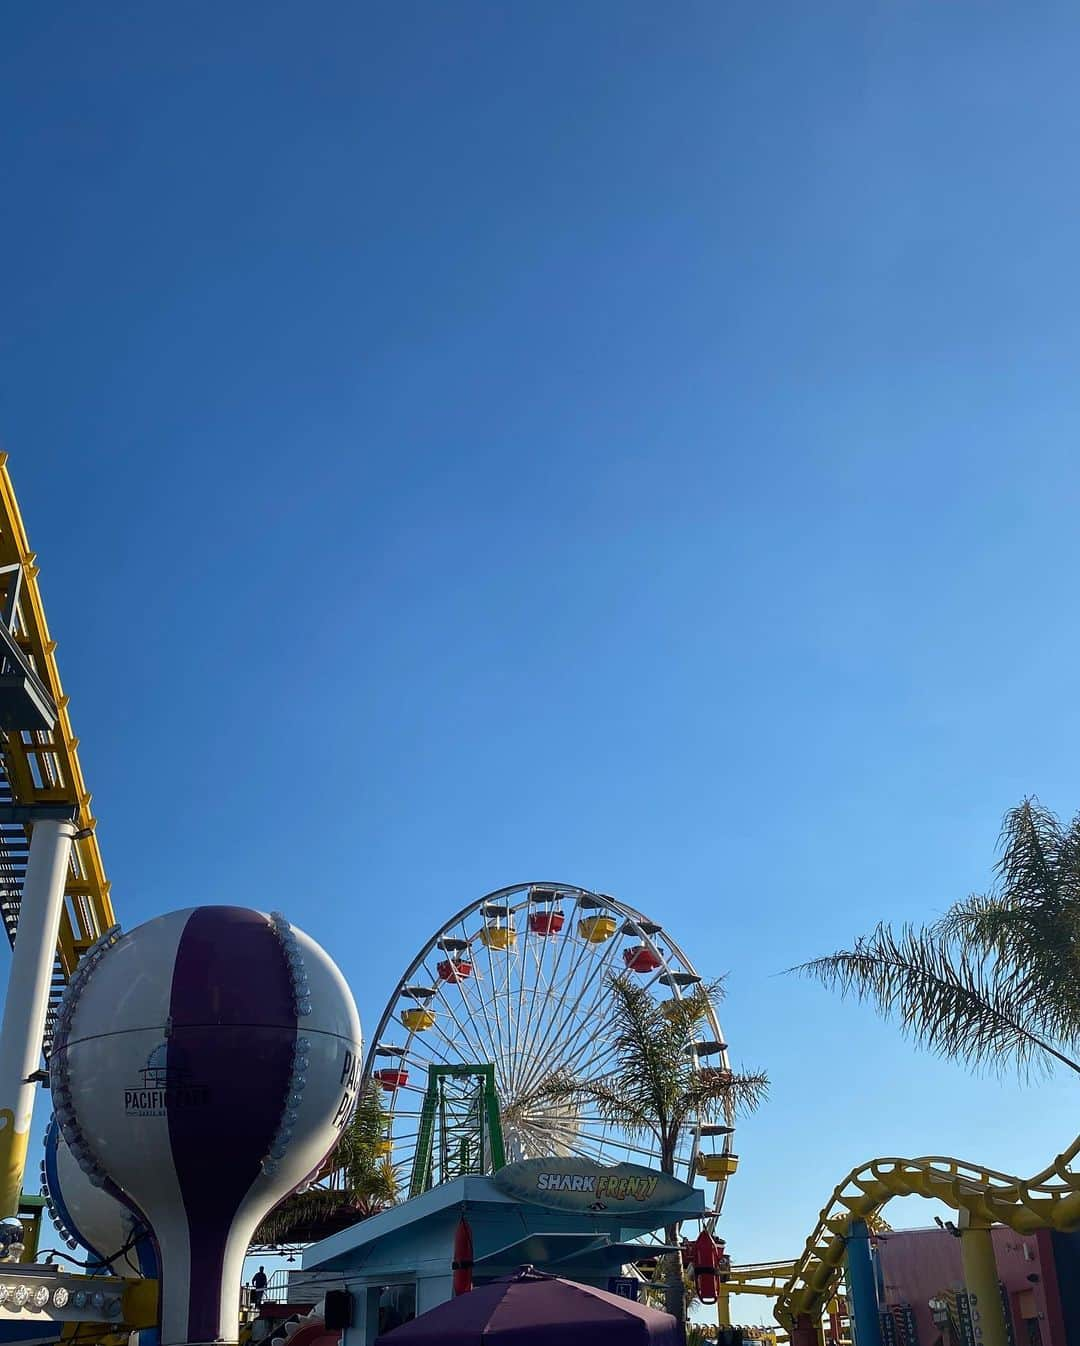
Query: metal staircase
{"points": [[40, 774]]}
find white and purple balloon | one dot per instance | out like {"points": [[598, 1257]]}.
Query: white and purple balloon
{"points": [[203, 1067]]}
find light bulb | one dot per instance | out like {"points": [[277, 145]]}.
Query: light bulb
{"points": [[5, 1293], [78, 1299], [60, 1297], [40, 1296], [20, 1295]]}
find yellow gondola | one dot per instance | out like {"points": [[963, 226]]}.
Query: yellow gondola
{"points": [[597, 929], [716, 1167], [416, 1020], [498, 936], [669, 1008]]}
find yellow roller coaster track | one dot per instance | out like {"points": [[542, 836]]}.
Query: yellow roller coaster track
{"points": [[759, 1278], [1051, 1199], [41, 767]]}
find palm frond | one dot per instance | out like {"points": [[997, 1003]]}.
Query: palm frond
{"points": [[653, 1084], [1031, 843], [984, 920], [715, 1093], [947, 1000], [613, 1104]]}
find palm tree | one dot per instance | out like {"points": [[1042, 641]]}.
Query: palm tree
{"points": [[655, 1088], [996, 982], [361, 1180]]}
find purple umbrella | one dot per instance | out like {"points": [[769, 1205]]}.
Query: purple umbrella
{"points": [[531, 1309]]}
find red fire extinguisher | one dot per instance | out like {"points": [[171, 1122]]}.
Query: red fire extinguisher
{"points": [[463, 1258], [705, 1267]]}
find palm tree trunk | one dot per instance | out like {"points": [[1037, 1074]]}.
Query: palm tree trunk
{"points": [[674, 1298]]}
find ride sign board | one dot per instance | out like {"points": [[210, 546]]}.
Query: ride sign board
{"points": [[580, 1185], [624, 1286]]}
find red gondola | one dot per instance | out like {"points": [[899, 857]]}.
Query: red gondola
{"points": [[546, 922], [454, 969], [391, 1077], [640, 958]]}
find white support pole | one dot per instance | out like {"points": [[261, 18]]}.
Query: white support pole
{"points": [[27, 999]]}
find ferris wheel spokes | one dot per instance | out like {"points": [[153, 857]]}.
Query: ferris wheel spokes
{"points": [[536, 1000]]}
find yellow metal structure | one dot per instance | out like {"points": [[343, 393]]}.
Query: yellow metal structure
{"points": [[140, 1304], [41, 768], [1050, 1199], [498, 936], [44, 768], [417, 1020], [981, 1280], [597, 929], [759, 1278]]}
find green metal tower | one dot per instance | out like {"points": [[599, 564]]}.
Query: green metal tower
{"points": [[460, 1130]]}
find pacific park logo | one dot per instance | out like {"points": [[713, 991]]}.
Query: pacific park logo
{"points": [[166, 1086]]}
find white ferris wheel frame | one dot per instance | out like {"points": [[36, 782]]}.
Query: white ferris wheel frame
{"points": [[419, 1048]]}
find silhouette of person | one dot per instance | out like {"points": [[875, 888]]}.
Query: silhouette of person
{"points": [[258, 1286]]}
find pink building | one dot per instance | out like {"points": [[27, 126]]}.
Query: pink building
{"points": [[921, 1287]]}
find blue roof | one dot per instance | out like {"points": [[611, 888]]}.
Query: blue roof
{"points": [[419, 1233]]}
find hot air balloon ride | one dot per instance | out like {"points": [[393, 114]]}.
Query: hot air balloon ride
{"points": [[204, 1065]]}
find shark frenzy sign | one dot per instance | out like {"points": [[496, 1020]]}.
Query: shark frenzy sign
{"points": [[577, 1184]]}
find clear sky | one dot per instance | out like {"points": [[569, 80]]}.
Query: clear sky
{"points": [[633, 444]]}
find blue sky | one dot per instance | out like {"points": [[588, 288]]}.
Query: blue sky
{"points": [[628, 444]]}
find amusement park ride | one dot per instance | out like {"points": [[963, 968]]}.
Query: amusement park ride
{"points": [[510, 988], [518, 982]]}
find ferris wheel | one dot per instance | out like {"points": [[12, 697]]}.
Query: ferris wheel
{"points": [[516, 986]]}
